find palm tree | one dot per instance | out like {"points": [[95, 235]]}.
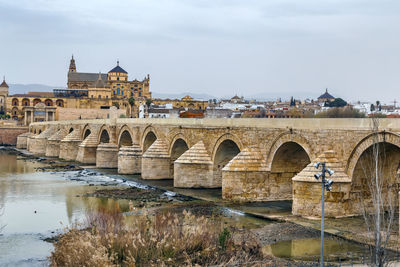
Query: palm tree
{"points": [[131, 103]]}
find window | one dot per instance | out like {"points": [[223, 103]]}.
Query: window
{"points": [[113, 92], [140, 93], [117, 78], [131, 94], [107, 96], [99, 96], [118, 91], [122, 93]]}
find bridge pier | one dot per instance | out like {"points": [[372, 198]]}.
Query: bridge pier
{"points": [[307, 190], [53, 144], [38, 144], [194, 168], [22, 140], [156, 161], [107, 156], [69, 145], [87, 150], [130, 159], [29, 141], [245, 177]]}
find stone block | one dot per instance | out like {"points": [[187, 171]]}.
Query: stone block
{"points": [[107, 156], [156, 168], [130, 160], [86, 154], [69, 149], [53, 148], [193, 175]]}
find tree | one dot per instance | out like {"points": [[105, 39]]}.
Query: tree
{"points": [[337, 103], [292, 102], [378, 105], [372, 108], [131, 101], [148, 102], [379, 202]]}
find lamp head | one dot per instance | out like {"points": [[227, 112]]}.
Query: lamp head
{"points": [[317, 176], [328, 184], [330, 172], [316, 165]]}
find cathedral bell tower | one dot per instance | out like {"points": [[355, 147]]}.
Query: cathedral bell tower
{"points": [[72, 67]]}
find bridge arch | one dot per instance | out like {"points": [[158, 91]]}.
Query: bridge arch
{"points": [[86, 131], [289, 154], [104, 135], [288, 138], [149, 136], [125, 137], [361, 167], [225, 149], [178, 146], [366, 143]]}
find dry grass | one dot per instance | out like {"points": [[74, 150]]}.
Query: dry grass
{"points": [[161, 240]]}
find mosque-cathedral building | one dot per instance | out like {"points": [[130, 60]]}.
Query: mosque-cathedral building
{"points": [[87, 96]]}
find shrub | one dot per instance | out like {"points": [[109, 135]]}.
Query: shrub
{"points": [[165, 239], [340, 113]]}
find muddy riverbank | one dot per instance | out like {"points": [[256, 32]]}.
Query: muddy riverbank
{"points": [[106, 188]]}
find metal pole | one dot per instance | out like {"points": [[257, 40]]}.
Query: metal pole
{"points": [[322, 214]]}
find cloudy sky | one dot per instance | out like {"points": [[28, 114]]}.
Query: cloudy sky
{"points": [[218, 47]]}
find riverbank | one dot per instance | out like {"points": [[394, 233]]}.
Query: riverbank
{"points": [[271, 222]]}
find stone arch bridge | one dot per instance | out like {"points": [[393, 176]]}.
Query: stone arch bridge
{"points": [[250, 159]]}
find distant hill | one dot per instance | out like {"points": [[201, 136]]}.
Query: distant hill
{"points": [[25, 88]]}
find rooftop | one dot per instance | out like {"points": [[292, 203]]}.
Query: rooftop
{"points": [[4, 84], [118, 69], [326, 95]]}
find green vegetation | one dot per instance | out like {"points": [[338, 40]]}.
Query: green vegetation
{"points": [[337, 103], [378, 115], [148, 102], [164, 239], [345, 112], [131, 101]]}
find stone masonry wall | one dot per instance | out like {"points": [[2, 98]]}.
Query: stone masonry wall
{"points": [[8, 135]]}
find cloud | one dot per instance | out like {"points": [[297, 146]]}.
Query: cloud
{"points": [[215, 46]]}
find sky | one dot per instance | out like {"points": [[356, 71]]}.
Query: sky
{"points": [[216, 47]]}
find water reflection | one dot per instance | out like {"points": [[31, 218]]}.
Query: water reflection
{"points": [[309, 249], [37, 205]]}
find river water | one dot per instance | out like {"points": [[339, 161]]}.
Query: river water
{"points": [[36, 205]]}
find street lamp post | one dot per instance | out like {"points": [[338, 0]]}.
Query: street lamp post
{"points": [[326, 183]]}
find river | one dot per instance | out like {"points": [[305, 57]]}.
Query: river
{"points": [[36, 205]]}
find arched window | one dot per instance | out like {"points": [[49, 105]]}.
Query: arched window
{"points": [[25, 102]]}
